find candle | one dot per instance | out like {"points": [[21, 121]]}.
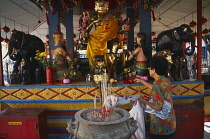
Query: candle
{"points": [[94, 102]]}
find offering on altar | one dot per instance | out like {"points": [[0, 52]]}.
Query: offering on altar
{"points": [[66, 80]]}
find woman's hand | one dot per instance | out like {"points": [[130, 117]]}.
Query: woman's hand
{"points": [[142, 100], [133, 102], [130, 52], [138, 76], [138, 80], [131, 55]]}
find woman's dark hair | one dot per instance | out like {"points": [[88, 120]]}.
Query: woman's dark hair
{"points": [[159, 64], [143, 37]]}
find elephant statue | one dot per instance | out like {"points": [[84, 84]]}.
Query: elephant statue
{"points": [[174, 40], [22, 49]]}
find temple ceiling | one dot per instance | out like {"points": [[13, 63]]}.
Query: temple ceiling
{"points": [[29, 15]]}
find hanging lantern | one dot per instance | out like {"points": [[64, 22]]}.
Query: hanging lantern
{"points": [[75, 35], [205, 31], [203, 20], [153, 33], [47, 43], [195, 34], [121, 1], [5, 29], [6, 40], [47, 36], [154, 39], [77, 41], [77, 2], [192, 23], [13, 30]]}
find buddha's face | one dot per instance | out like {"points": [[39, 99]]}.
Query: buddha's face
{"points": [[101, 6]]}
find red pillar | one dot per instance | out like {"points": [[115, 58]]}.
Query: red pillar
{"points": [[199, 39]]}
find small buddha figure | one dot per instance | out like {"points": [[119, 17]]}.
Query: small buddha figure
{"points": [[60, 56], [111, 58]]}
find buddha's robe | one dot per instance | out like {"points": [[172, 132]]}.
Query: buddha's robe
{"points": [[97, 43]]}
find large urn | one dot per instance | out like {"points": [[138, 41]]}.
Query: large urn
{"points": [[120, 126]]}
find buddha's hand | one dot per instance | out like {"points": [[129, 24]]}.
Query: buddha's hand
{"points": [[96, 21], [89, 27]]}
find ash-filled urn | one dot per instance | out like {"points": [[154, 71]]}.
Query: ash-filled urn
{"points": [[119, 126]]}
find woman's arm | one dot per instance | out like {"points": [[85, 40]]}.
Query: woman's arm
{"points": [[131, 55], [135, 52], [137, 80], [154, 106], [157, 96]]}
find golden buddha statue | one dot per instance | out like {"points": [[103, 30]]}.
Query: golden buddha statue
{"points": [[106, 30]]}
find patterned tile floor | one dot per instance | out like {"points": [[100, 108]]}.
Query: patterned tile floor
{"points": [[207, 130]]}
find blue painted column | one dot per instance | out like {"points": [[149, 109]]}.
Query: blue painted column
{"points": [[145, 25], [70, 31], [129, 14], [54, 22]]}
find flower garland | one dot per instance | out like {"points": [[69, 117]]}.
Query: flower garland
{"points": [[126, 30], [41, 57], [83, 23]]}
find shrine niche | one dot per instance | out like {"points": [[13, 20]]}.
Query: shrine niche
{"points": [[97, 16]]}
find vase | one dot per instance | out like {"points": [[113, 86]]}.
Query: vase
{"points": [[49, 76]]}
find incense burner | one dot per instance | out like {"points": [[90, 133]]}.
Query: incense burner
{"points": [[120, 126]]}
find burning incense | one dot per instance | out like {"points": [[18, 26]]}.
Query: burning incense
{"points": [[94, 100], [101, 114]]}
